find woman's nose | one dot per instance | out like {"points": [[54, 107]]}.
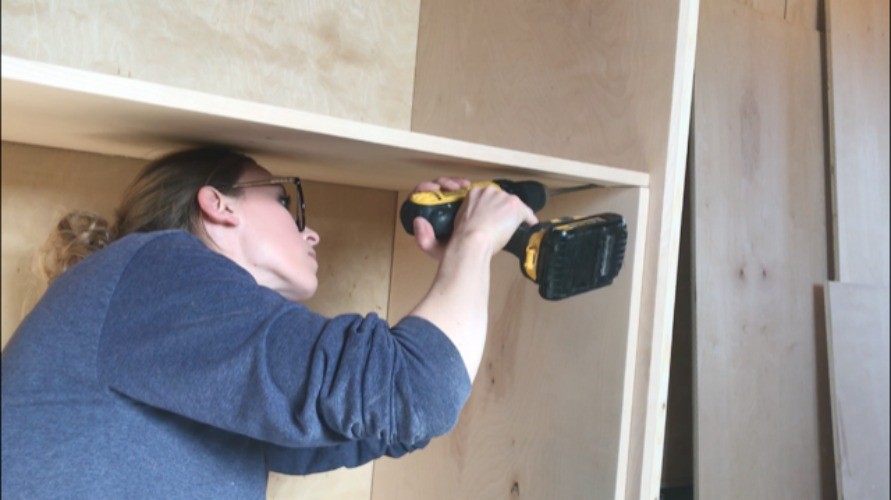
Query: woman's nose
{"points": [[311, 236]]}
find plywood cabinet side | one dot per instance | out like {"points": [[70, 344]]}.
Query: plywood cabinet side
{"points": [[603, 82], [550, 406]]}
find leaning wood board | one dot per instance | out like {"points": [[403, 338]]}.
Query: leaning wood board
{"points": [[550, 407], [759, 256], [858, 66], [857, 334]]}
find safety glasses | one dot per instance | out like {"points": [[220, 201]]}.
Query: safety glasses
{"points": [[291, 198]]}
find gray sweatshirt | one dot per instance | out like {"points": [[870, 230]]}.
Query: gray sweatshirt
{"points": [[157, 368]]}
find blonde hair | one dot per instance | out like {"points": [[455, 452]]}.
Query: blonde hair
{"points": [[163, 196]]}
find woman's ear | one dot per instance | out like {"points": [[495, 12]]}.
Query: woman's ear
{"points": [[216, 207]]}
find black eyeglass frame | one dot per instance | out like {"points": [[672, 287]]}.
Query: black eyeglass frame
{"points": [[274, 181]]}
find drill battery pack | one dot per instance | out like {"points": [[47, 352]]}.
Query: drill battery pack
{"points": [[571, 255]]}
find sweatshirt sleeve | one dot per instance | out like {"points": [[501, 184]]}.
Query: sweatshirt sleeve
{"points": [[191, 332], [351, 454]]}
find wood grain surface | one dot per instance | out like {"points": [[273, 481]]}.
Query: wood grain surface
{"points": [[858, 72], [857, 334], [341, 58], [759, 256]]}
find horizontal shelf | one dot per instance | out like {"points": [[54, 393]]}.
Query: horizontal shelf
{"points": [[66, 108]]}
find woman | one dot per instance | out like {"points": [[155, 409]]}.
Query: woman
{"points": [[178, 362]]}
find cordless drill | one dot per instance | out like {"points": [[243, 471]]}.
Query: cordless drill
{"points": [[564, 256]]}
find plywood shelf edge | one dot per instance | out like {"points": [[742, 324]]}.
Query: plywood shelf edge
{"points": [[54, 106]]}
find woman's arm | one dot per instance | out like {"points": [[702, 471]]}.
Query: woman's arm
{"points": [[458, 299]]}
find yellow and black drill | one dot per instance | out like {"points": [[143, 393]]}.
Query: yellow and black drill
{"points": [[565, 256]]}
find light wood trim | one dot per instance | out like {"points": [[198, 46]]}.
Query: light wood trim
{"points": [[657, 313], [632, 347], [66, 108]]}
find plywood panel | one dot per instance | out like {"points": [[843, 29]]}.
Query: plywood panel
{"points": [[338, 57], [47, 105], [584, 80], [858, 55], [774, 8], [40, 184], [760, 249], [857, 334], [806, 13], [549, 409], [356, 247], [340, 484]]}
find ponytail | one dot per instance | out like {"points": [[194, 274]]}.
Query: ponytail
{"points": [[76, 236], [163, 196]]}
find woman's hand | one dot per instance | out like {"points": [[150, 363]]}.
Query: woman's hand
{"points": [[424, 235], [488, 214], [492, 215]]}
